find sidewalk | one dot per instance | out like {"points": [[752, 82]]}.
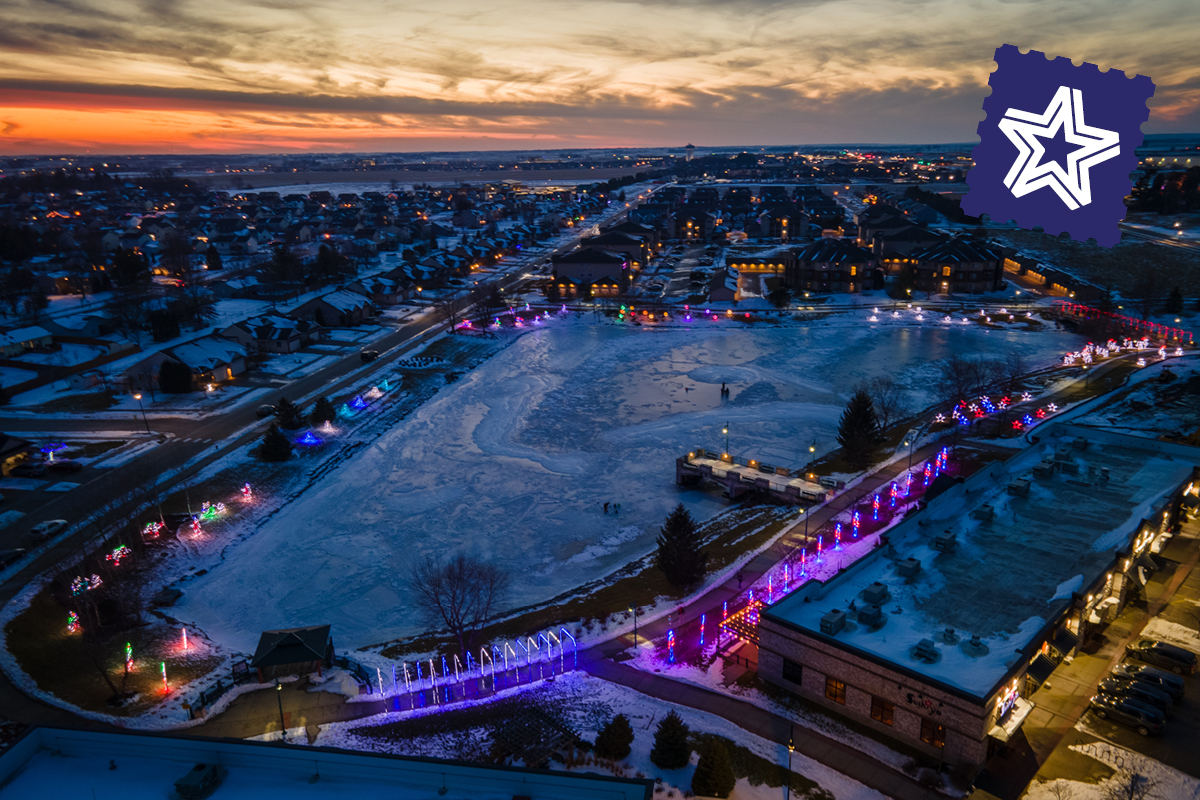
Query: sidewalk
{"points": [[771, 727]]}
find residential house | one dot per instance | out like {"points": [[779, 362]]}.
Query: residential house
{"points": [[22, 340], [578, 270], [959, 265], [339, 309], [272, 333], [380, 291], [831, 265]]}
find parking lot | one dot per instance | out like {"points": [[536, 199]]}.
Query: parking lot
{"points": [[1049, 745]]}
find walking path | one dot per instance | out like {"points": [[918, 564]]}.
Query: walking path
{"points": [[772, 727]]}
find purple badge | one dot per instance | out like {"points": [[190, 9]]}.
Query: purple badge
{"points": [[1057, 146]]}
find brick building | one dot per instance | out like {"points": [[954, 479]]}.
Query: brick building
{"points": [[831, 265], [940, 637]]}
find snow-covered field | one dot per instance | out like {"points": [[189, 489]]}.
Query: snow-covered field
{"points": [[514, 462]]}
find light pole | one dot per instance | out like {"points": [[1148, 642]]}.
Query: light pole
{"points": [[1087, 376], [725, 431], [812, 454], [138, 397], [791, 749], [910, 444], [634, 610], [279, 697]]}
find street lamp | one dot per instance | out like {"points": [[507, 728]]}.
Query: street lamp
{"points": [[634, 610], [725, 431], [910, 444], [791, 749], [138, 397], [1087, 376], [279, 697]]}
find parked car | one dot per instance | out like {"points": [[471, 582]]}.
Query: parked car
{"points": [[1161, 654], [44, 530], [1148, 694], [1143, 718], [1171, 684], [11, 556], [369, 355], [266, 411], [28, 469], [63, 465]]}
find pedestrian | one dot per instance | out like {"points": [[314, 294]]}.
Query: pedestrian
{"points": [[722, 387], [606, 508], [618, 508], [739, 577]]}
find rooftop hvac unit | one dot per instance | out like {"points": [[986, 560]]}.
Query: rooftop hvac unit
{"points": [[1062, 453], [925, 651], [984, 512], [975, 647], [871, 616], [833, 622], [875, 594], [1104, 477], [1069, 467], [908, 568], [1080, 443], [945, 542], [1044, 469], [949, 636], [1019, 487]]}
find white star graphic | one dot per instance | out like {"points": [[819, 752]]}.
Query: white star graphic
{"points": [[1073, 186]]}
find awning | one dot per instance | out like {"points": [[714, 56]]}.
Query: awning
{"points": [[1064, 641], [1007, 727], [1041, 669]]}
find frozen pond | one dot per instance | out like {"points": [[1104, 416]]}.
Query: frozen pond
{"points": [[514, 461]]}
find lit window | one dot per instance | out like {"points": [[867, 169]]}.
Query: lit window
{"points": [[835, 690], [882, 710], [932, 733]]}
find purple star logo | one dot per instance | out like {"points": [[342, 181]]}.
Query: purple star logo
{"points": [[1057, 146]]}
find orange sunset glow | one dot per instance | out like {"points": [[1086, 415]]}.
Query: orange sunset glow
{"points": [[120, 76]]}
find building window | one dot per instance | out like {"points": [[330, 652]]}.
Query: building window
{"points": [[946, 271], [792, 671], [853, 270], [882, 710], [835, 690], [932, 733]]}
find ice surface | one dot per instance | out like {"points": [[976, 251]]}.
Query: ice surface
{"points": [[514, 462]]}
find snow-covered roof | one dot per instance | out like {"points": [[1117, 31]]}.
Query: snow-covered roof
{"points": [[207, 352], [344, 300], [21, 335], [1009, 575]]}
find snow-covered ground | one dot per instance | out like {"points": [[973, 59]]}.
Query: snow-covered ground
{"points": [[1160, 780], [514, 462], [586, 704]]}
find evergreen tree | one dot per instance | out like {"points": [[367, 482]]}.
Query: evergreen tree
{"points": [[1106, 302], [129, 268], [174, 377], [164, 325], [616, 740], [1174, 304], [679, 555], [322, 411], [212, 257], [671, 747], [275, 446], [714, 773], [288, 415], [858, 430]]}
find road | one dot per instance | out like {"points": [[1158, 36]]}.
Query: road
{"points": [[1165, 239]]}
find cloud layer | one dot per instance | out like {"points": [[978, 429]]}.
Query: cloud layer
{"points": [[281, 75]]}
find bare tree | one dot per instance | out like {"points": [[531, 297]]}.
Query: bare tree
{"points": [[962, 378], [1148, 291], [450, 309], [889, 398], [1012, 370], [461, 594], [1060, 789], [1129, 785]]}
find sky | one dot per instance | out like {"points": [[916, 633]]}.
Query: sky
{"points": [[180, 76]]}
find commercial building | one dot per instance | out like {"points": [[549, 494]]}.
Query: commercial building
{"points": [[49, 762], [939, 635]]}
